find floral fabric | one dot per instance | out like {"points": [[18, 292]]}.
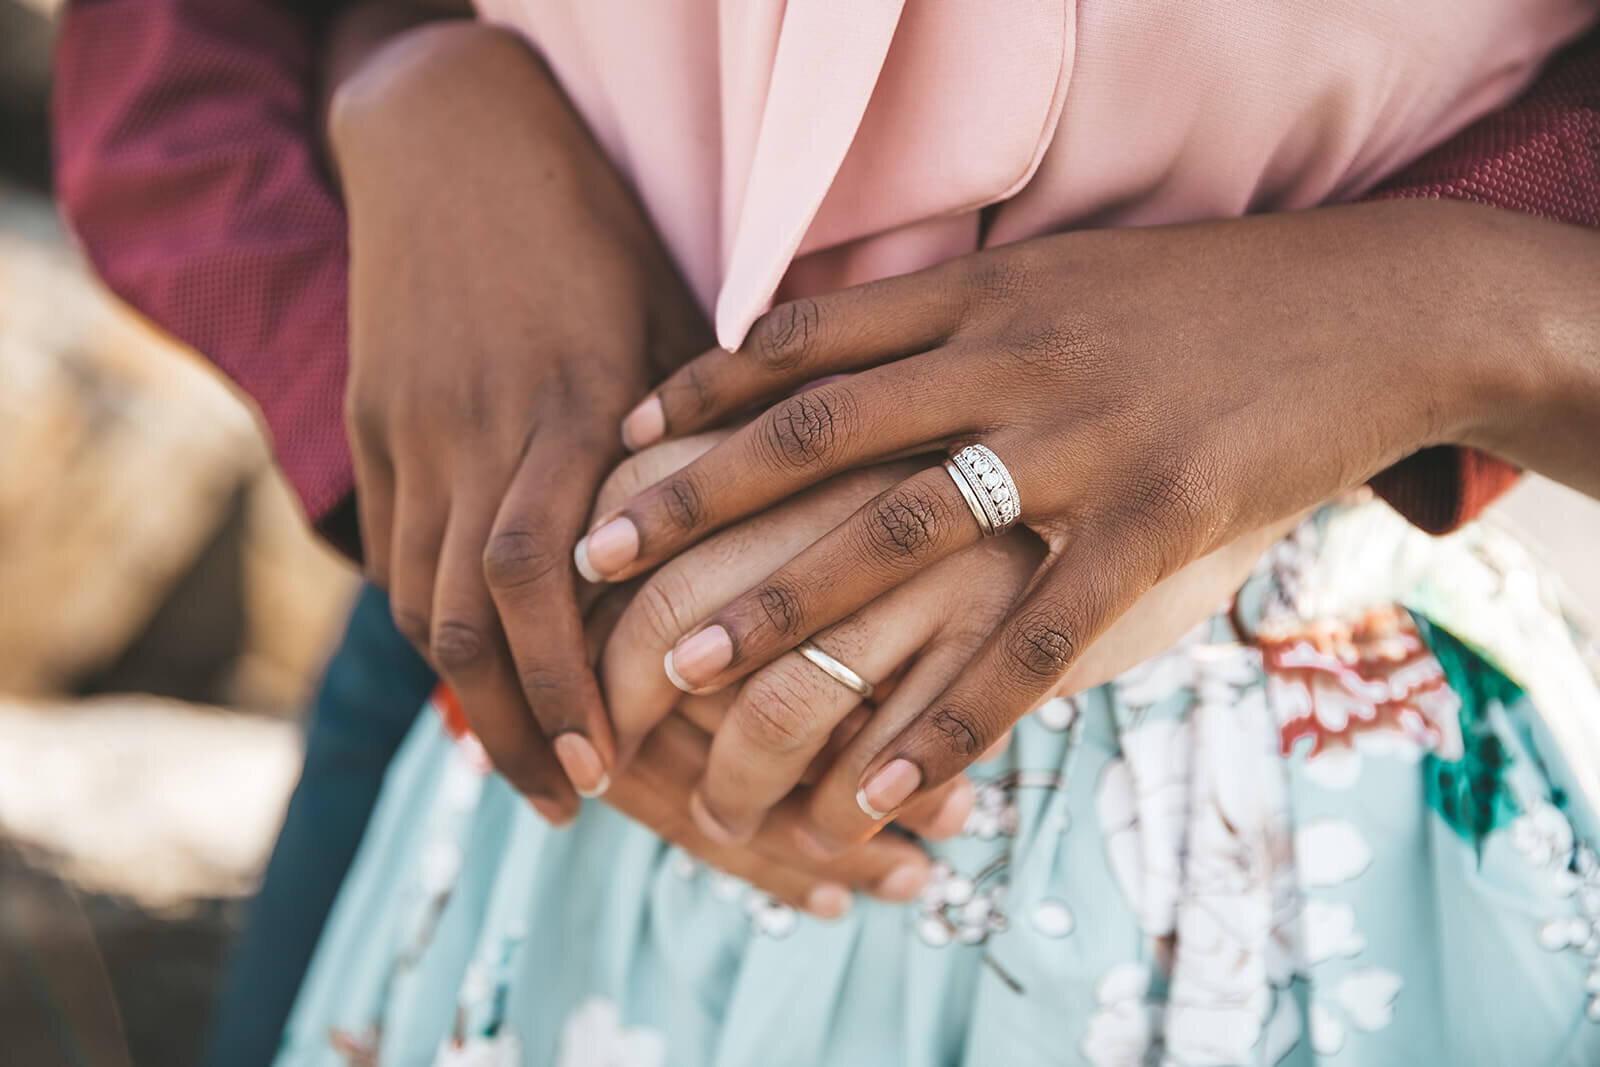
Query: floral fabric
{"points": [[1333, 825]]}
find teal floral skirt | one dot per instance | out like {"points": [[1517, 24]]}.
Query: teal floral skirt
{"points": [[1349, 820]]}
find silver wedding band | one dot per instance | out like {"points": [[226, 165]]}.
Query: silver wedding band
{"points": [[835, 670], [986, 486]]}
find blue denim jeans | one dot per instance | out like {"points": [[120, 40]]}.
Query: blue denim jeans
{"points": [[370, 695]]}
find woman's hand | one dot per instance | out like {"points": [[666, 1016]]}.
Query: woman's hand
{"points": [[1154, 393], [508, 302], [641, 622]]}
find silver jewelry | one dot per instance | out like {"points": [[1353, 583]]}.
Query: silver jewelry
{"points": [[835, 670], [986, 486]]}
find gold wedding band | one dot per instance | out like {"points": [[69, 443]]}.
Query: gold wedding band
{"points": [[834, 669]]}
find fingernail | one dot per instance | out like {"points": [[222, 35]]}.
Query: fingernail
{"points": [[905, 882], [889, 788], [644, 425], [607, 550], [828, 901], [700, 658], [550, 811], [709, 825], [582, 764]]}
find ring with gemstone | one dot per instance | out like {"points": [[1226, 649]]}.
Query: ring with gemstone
{"points": [[986, 486]]}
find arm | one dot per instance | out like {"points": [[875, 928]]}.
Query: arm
{"points": [[1540, 156], [188, 164]]}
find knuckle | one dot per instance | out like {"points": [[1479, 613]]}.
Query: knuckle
{"points": [[905, 523], [1075, 345], [683, 502], [541, 684], [785, 334], [1002, 278], [1170, 509], [775, 714], [690, 392], [780, 608], [517, 557], [413, 624], [657, 603], [1041, 646], [459, 648], [807, 429], [962, 729]]}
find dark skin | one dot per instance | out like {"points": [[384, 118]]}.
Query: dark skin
{"points": [[1155, 393], [499, 330]]}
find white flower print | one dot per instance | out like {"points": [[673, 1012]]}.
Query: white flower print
{"points": [[1058, 713], [994, 813], [1053, 918], [502, 1050], [769, 915], [1162, 676], [956, 907], [1544, 838], [595, 1037], [1367, 996], [1580, 933], [1198, 833], [1328, 930], [1120, 1031], [1330, 852]]}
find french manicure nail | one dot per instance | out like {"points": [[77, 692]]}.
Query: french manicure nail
{"points": [[700, 658], [607, 550], [828, 901], [644, 425], [904, 882], [889, 788], [582, 764]]}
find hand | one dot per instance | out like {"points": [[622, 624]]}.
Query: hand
{"points": [[508, 301], [1155, 393], [642, 625]]}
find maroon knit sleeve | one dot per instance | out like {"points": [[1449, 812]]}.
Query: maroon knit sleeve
{"points": [[187, 165], [1541, 155]]}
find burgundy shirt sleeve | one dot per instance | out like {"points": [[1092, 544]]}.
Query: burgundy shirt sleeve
{"points": [[1541, 155], [187, 164]]}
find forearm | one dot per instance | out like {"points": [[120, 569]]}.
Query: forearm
{"points": [[1537, 401]]}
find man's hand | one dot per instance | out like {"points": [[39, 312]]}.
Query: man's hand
{"points": [[508, 301]]}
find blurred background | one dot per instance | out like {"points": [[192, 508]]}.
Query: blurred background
{"points": [[163, 618], [164, 614]]}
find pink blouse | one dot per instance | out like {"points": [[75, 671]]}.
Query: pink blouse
{"points": [[785, 147]]}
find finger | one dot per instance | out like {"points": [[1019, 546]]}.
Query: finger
{"points": [[784, 715], [708, 576], [469, 649], [940, 813], [832, 819], [654, 792], [639, 472], [799, 342], [891, 538], [887, 411], [528, 568], [420, 511], [374, 479], [1093, 582]]}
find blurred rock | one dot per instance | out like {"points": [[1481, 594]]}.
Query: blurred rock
{"points": [[121, 458], [155, 801]]}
